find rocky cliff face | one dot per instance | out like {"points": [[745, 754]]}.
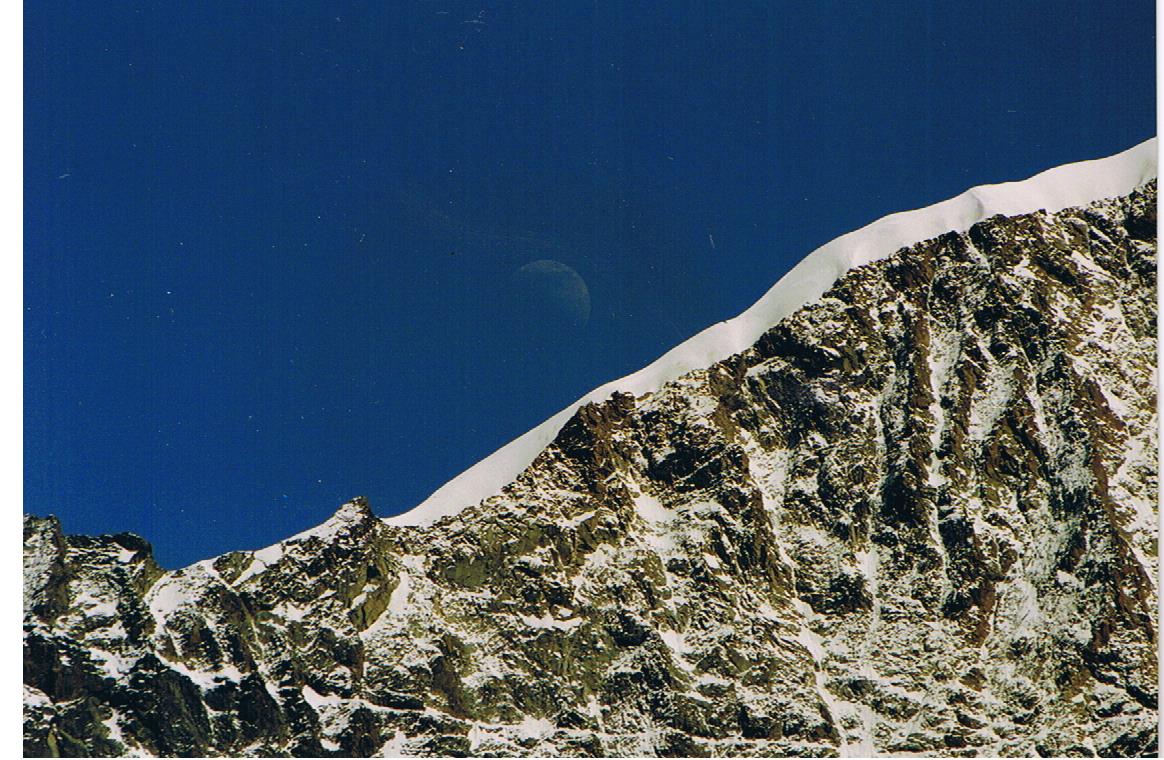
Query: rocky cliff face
{"points": [[919, 516]]}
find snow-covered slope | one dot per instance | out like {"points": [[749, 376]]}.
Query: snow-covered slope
{"points": [[1053, 190]]}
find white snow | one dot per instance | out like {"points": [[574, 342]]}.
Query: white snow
{"points": [[944, 354], [318, 701], [113, 725], [269, 555], [677, 643], [260, 561], [534, 728], [870, 564], [205, 679], [549, 622], [394, 747], [1053, 190], [398, 602], [168, 595], [574, 522], [529, 728], [344, 519], [291, 612], [111, 663], [651, 509], [659, 521], [34, 697], [90, 605]]}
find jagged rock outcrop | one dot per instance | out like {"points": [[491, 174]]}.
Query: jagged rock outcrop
{"points": [[919, 515]]}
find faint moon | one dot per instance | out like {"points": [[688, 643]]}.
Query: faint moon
{"points": [[552, 291]]}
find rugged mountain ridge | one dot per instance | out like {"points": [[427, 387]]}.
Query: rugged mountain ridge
{"points": [[918, 515]]}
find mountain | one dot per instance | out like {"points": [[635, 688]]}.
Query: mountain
{"points": [[904, 504]]}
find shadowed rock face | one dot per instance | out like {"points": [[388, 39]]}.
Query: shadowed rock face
{"points": [[919, 515]]}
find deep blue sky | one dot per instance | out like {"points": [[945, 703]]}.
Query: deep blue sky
{"points": [[270, 246]]}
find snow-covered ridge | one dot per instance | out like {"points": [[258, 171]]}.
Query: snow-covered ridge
{"points": [[1053, 190]]}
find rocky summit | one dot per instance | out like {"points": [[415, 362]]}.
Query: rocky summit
{"points": [[918, 516]]}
